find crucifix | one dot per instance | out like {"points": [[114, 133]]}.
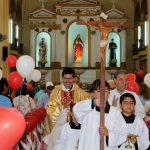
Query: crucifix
{"points": [[104, 27]]}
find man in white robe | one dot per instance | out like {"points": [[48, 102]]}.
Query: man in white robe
{"points": [[132, 130], [121, 86], [88, 114]]}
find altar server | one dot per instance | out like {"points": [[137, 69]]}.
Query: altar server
{"points": [[88, 114], [132, 130]]}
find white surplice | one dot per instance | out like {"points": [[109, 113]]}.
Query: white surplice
{"points": [[68, 139], [137, 127], [51, 138], [139, 109], [90, 123]]}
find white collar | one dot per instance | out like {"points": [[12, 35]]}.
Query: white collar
{"points": [[64, 88], [118, 91]]}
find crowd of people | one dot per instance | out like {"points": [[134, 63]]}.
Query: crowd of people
{"points": [[73, 113]]}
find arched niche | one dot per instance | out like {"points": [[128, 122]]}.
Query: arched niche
{"points": [[74, 30], [43, 50], [113, 51]]}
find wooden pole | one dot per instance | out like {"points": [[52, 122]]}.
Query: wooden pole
{"points": [[102, 98], [103, 45]]}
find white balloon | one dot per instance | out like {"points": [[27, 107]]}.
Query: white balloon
{"points": [[36, 75], [0, 74], [103, 43], [25, 65], [147, 79]]}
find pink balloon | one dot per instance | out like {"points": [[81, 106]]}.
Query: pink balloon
{"points": [[11, 61], [12, 127], [14, 80]]}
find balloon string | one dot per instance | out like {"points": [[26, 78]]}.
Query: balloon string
{"points": [[21, 88], [35, 88]]}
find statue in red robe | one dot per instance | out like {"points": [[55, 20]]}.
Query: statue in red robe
{"points": [[78, 49]]}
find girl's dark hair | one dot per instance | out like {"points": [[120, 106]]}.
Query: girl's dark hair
{"points": [[97, 84], [24, 90], [68, 70], [123, 96]]}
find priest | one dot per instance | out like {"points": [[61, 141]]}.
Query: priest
{"points": [[63, 95], [60, 102]]}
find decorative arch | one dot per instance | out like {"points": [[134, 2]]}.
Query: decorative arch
{"points": [[113, 52], [43, 49], [74, 29]]}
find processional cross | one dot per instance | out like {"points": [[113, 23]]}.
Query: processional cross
{"points": [[104, 27]]}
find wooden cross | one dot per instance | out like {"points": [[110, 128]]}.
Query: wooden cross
{"points": [[104, 27]]}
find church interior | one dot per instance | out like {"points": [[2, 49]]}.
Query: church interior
{"points": [[50, 35], [24, 25]]}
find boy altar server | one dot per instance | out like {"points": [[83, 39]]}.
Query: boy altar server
{"points": [[133, 130], [88, 114]]}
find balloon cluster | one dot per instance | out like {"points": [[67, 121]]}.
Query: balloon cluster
{"points": [[33, 118], [132, 85], [25, 69]]}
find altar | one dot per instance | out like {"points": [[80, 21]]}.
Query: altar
{"points": [[69, 43]]}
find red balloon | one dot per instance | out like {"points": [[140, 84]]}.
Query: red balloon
{"points": [[38, 115], [140, 73], [11, 61], [12, 126], [133, 87], [131, 77], [29, 86], [43, 112], [14, 80], [31, 122]]}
